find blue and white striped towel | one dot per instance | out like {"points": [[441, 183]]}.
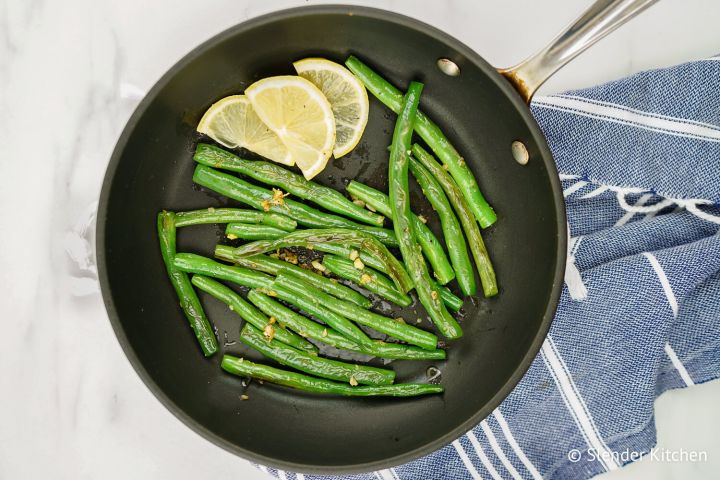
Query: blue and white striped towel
{"points": [[640, 164]]}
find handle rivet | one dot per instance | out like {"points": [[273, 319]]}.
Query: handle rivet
{"points": [[519, 152], [448, 67]]}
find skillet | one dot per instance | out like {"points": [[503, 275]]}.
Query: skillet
{"points": [[483, 112]]}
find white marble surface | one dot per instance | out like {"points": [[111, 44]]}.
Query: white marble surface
{"points": [[70, 75]]}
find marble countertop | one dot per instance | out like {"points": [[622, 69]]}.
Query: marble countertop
{"points": [[71, 74]]}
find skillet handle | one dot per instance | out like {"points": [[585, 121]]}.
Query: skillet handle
{"points": [[600, 19]]}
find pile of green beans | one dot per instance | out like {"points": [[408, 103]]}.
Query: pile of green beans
{"points": [[428, 242], [407, 333], [349, 252], [312, 237], [321, 367], [249, 313], [315, 303], [264, 200], [275, 266], [277, 176], [289, 309], [433, 136], [477, 245], [452, 232], [310, 329], [371, 279]]}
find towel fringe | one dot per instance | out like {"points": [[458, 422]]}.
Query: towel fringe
{"points": [[639, 208], [692, 205], [575, 285]]}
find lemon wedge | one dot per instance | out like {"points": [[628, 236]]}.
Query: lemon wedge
{"points": [[347, 96], [232, 122], [300, 115]]}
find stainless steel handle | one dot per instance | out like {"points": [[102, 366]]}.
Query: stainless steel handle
{"points": [[601, 18]]}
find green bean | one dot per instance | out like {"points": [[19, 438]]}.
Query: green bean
{"points": [[264, 200], [310, 238], [275, 175], [189, 301], [430, 245], [275, 266], [342, 268], [433, 136], [301, 325], [224, 252], [458, 201], [310, 329], [450, 300], [372, 197], [249, 313], [347, 252], [308, 303], [452, 231], [314, 365], [366, 278], [392, 327], [404, 230], [246, 368], [248, 231], [192, 263], [229, 215]]}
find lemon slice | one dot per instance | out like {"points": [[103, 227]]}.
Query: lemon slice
{"points": [[233, 123], [347, 96], [300, 115]]}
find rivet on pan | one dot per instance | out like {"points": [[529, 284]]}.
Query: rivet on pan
{"points": [[448, 67], [520, 153]]}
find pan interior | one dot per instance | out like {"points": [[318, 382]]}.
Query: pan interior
{"points": [[152, 169]]}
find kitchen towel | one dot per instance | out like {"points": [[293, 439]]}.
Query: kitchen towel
{"points": [[639, 160]]}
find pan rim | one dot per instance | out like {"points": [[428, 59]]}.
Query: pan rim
{"points": [[558, 276]]}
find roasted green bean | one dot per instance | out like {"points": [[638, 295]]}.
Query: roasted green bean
{"points": [[400, 207], [246, 368], [189, 301], [451, 300], [192, 263], [230, 215], [249, 231]]}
